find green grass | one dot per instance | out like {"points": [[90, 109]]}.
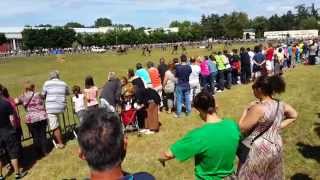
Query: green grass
{"points": [[302, 93]]}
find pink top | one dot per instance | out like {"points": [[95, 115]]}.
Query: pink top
{"points": [[34, 105], [204, 66], [91, 96]]}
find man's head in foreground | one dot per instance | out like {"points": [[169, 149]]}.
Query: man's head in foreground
{"points": [[101, 140]]}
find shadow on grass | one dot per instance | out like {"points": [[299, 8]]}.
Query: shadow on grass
{"points": [[301, 176], [31, 155], [310, 152], [317, 124]]}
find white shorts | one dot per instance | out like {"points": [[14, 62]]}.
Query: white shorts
{"points": [[269, 65], [53, 121]]}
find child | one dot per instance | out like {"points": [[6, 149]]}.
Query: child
{"points": [[78, 100], [90, 93]]}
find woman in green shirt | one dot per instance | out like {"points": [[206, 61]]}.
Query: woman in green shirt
{"points": [[213, 145]]}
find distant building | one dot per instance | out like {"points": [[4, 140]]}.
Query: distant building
{"points": [[292, 34], [100, 30], [249, 34], [165, 30], [14, 34]]}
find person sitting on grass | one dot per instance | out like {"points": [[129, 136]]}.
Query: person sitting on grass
{"points": [[213, 145], [103, 145]]}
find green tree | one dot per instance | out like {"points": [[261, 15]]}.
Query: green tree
{"points": [[260, 24], [103, 22], [73, 25], [235, 23], [3, 38], [275, 23], [309, 23], [212, 26]]}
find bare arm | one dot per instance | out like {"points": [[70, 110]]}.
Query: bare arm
{"points": [[250, 118], [290, 114], [165, 156], [165, 80]]}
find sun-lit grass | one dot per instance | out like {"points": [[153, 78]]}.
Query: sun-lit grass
{"points": [[302, 92]]}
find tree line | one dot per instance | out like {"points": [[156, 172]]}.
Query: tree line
{"points": [[226, 26]]}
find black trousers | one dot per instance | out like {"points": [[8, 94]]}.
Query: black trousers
{"points": [[221, 80], [245, 74], [38, 132]]}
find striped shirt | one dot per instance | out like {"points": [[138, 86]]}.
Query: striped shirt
{"points": [[55, 92]]}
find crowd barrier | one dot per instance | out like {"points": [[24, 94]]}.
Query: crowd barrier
{"points": [[68, 123]]}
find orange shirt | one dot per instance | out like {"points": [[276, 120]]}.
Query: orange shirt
{"points": [[155, 77]]}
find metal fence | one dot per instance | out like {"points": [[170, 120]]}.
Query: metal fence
{"points": [[67, 120]]}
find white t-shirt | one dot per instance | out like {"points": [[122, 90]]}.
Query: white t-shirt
{"points": [[194, 76], [251, 54], [78, 102]]}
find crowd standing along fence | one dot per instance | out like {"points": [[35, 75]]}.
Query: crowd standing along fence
{"points": [[68, 122]]}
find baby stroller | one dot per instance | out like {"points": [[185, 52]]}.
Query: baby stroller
{"points": [[129, 120]]}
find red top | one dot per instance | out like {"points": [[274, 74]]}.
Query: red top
{"points": [[155, 77], [269, 54]]}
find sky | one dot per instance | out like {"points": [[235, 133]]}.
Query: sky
{"points": [[147, 13]]}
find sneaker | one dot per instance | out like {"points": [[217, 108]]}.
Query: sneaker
{"points": [[21, 175], [60, 146], [219, 91], [2, 178], [143, 130], [149, 132], [178, 116]]}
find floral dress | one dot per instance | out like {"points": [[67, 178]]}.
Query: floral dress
{"points": [[264, 161]]}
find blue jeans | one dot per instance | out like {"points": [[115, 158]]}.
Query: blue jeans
{"points": [[213, 78], [183, 95]]}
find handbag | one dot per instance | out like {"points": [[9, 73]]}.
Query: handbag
{"points": [[243, 150]]}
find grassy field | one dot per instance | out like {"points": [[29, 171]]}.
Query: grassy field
{"points": [[301, 141]]}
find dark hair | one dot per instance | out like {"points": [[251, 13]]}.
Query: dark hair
{"points": [[175, 60], [235, 51], [150, 64], [248, 49], [130, 73], [242, 50], [219, 52], [139, 66], [212, 57], [225, 51], [88, 83], [183, 58], [280, 50], [101, 139], [257, 49], [270, 85], [204, 101], [162, 60], [5, 92], [192, 60], [76, 90]]}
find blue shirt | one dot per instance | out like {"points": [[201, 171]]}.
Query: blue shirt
{"points": [[144, 75], [259, 57], [212, 66], [183, 72], [290, 51]]}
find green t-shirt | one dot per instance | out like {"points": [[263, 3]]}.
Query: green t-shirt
{"points": [[220, 62], [213, 147]]}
